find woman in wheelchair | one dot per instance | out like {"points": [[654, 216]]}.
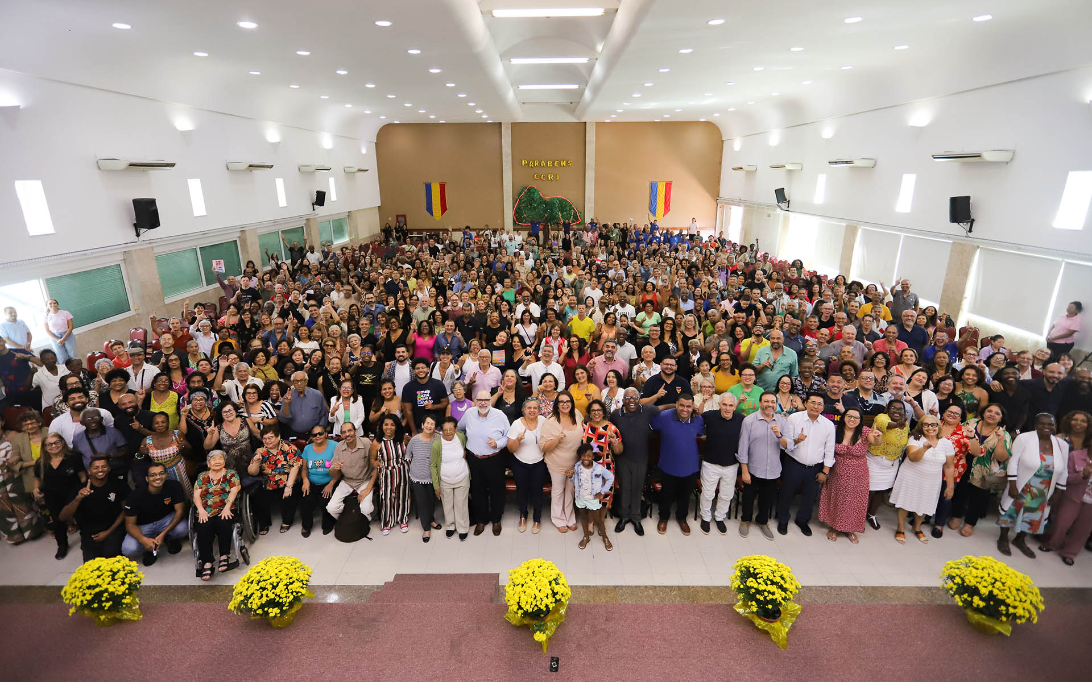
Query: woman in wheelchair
{"points": [[214, 494]]}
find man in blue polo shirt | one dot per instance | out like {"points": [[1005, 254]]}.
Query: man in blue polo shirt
{"points": [[679, 460]]}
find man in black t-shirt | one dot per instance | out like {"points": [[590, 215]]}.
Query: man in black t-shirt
{"points": [[134, 424], [97, 508], [663, 389], [422, 396], [154, 516], [367, 375]]}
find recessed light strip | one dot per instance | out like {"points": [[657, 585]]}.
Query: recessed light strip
{"points": [[555, 12], [550, 86], [548, 60]]}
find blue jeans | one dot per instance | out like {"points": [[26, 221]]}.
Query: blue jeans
{"points": [[64, 350], [130, 547]]}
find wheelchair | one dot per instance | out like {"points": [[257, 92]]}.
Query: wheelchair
{"points": [[243, 528]]}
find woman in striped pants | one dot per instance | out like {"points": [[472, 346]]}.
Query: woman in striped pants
{"points": [[388, 455]]}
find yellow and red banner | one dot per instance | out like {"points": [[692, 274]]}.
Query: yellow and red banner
{"points": [[659, 198], [436, 199]]}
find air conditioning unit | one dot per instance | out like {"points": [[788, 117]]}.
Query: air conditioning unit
{"points": [[854, 163], [124, 164], [747, 168], [354, 169], [311, 168], [248, 166], [787, 166], [991, 156]]}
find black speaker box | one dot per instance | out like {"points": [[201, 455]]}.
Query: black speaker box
{"points": [[320, 198], [147, 214], [779, 194], [959, 209]]}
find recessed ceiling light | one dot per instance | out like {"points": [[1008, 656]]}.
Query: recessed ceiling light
{"points": [[383, 22], [442, 121], [462, 94], [729, 109], [852, 20], [758, 68], [648, 85], [718, 113], [382, 117], [537, 13], [126, 27], [708, 94], [485, 116], [846, 67], [367, 111], [432, 115], [614, 115], [775, 94], [247, 24], [434, 70], [636, 94], [656, 120], [391, 96], [796, 49], [550, 86], [420, 111], [407, 104], [200, 54], [293, 85], [477, 111], [685, 50], [548, 60], [730, 83], [701, 119], [348, 106], [303, 53], [678, 110], [341, 72], [751, 102], [470, 104], [902, 47], [397, 121], [664, 70], [618, 110], [255, 73], [489, 121], [980, 17], [413, 50], [715, 22], [369, 85], [667, 115], [450, 85], [324, 97], [625, 104], [805, 82]]}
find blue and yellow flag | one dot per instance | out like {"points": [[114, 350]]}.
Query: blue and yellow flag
{"points": [[436, 199], [659, 198]]}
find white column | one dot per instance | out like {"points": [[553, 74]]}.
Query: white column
{"points": [[589, 170], [506, 173]]}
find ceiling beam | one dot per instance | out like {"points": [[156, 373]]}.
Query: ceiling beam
{"points": [[630, 15], [468, 20]]}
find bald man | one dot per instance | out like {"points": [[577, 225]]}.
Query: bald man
{"points": [[303, 409], [634, 423]]}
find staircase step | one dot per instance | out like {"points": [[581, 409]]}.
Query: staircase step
{"points": [[381, 598]]}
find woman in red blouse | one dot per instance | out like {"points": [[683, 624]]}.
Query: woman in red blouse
{"points": [[604, 437], [952, 428], [280, 463]]}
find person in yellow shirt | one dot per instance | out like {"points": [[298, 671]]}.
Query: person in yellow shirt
{"points": [[875, 308], [580, 324], [724, 374], [748, 348]]}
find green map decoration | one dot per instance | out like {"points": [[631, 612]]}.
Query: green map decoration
{"points": [[531, 206]]}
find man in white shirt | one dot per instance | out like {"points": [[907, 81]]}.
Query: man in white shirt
{"points": [[141, 374], [536, 370], [807, 464], [48, 377], [626, 351], [527, 304], [312, 256], [233, 388], [400, 370], [67, 424], [621, 309]]}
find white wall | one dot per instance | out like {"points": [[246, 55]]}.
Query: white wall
{"points": [[1047, 120], [61, 129]]}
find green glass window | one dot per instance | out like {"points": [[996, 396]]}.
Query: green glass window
{"points": [[271, 242], [92, 295], [293, 235], [225, 251], [325, 233], [341, 230], [179, 272]]}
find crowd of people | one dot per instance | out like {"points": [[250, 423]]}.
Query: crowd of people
{"points": [[608, 367]]}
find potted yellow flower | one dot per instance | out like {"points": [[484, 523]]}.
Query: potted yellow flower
{"points": [[765, 588], [105, 590], [992, 594], [273, 589], [537, 596]]}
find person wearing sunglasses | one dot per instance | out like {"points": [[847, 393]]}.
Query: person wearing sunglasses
{"points": [[317, 485], [929, 464]]}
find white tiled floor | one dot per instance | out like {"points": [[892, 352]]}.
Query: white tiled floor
{"points": [[671, 559]]}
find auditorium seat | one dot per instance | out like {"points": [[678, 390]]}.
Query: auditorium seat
{"points": [[106, 348], [11, 416], [92, 358], [140, 335]]}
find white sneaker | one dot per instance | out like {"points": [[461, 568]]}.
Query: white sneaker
{"points": [[386, 531], [404, 527]]}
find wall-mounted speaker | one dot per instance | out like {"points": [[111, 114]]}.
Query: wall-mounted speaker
{"points": [[782, 200], [320, 198], [959, 211], [146, 214]]}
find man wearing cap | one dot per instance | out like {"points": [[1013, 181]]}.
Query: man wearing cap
{"points": [[141, 374]]}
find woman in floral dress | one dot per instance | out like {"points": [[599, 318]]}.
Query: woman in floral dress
{"points": [[844, 500], [1038, 466]]}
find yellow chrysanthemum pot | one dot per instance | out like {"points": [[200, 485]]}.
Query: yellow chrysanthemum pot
{"points": [[105, 590], [537, 595]]}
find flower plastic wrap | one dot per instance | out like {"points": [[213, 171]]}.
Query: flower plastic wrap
{"points": [[537, 595], [105, 590], [779, 629], [992, 594], [990, 626], [274, 589], [542, 628]]}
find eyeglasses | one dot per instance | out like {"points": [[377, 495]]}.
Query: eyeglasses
{"points": [[53, 443], [930, 425], [316, 434]]}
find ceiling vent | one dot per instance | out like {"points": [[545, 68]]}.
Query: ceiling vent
{"points": [[354, 169], [854, 163], [747, 168], [123, 164], [311, 167], [248, 166], [991, 156], [787, 166]]}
